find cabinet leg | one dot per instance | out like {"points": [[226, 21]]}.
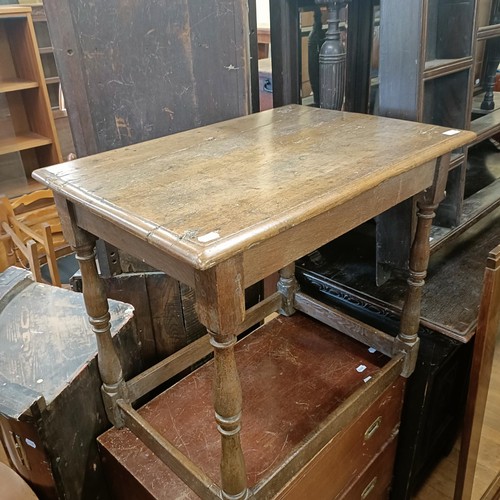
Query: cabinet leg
{"points": [[96, 304]]}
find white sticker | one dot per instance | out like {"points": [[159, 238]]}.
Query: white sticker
{"points": [[451, 132], [208, 237], [366, 379], [361, 368], [39, 381], [29, 442], [372, 350]]}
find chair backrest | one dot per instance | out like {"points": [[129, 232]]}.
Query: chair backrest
{"points": [[484, 346], [32, 227]]}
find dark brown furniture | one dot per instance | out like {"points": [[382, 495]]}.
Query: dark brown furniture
{"points": [[50, 408], [226, 205], [344, 276]]}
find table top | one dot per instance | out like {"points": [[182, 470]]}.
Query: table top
{"points": [[210, 193]]}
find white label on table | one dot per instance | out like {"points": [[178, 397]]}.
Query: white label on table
{"points": [[208, 237], [372, 350], [366, 379], [451, 132], [361, 368]]}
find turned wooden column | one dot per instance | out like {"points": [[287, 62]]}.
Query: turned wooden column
{"points": [[419, 260], [96, 304], [288, 287], [332, 60], [220, 303]]}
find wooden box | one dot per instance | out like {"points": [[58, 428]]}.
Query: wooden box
{"points": [[295, 372], [50, 404]]}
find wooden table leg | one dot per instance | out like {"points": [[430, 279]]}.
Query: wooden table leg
{"points": [[287, 286], [419, 260], [96, 304], [220, 302]]}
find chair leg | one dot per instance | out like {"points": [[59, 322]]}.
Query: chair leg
{"points": [[34, 261], [51, 256]]}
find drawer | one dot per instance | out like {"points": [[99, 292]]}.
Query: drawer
{"points": [[348, 453], [374, 483]]}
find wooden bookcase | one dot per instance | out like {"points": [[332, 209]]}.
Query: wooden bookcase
{"points": [[46, 51], [432, 67], [28, 138]]}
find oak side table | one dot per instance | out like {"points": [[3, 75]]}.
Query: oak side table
{"points": [[222, 207]]}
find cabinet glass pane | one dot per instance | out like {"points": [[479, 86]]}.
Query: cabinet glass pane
{"points": [[449, 29], [445, 100]]}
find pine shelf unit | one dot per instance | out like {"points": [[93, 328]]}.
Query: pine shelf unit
{"points": [[28, 138]]}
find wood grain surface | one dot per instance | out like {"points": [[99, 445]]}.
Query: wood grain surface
{"points": [[274, 170]]}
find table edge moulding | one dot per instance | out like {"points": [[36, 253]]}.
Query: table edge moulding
{"points": [[222, 207]]}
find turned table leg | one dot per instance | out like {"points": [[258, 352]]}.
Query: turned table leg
{"points": [[287, 286], [96, 304], [220, 303], [419, 261]]}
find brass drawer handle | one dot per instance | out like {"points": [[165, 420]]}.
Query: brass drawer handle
{"points": [[369, 488], [373, 428]]}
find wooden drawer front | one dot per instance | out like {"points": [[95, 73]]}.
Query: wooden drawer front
{"points": [[374, 483], [25, 450], [347, 455]]}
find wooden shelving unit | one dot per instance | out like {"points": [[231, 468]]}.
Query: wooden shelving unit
{"points": [[447, 40], [28, 138], [46, 51]]}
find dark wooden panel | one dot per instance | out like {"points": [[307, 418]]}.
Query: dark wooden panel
{"points": [[284, 51], [359, 43], [400, 63], [132, 71]]}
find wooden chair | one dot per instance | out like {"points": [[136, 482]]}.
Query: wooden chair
{"points": [[31, 233], [12, 485], [484, 346]]}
